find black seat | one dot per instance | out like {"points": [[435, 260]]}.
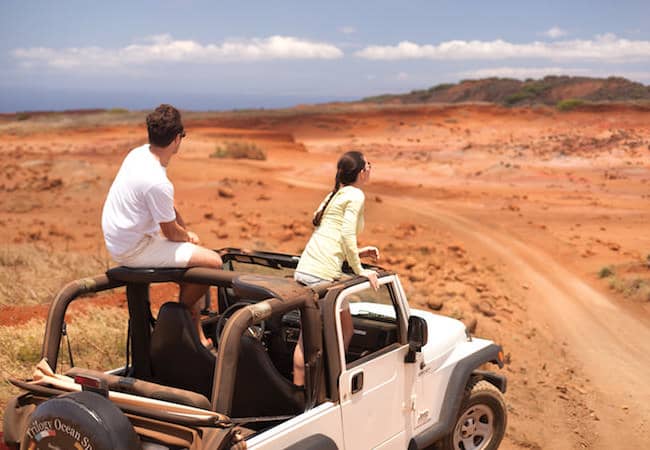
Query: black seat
{"points": [[260, 389], [178, 358]]}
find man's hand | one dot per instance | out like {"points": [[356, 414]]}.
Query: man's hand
{"points": [[176, 233], [193, 238]]}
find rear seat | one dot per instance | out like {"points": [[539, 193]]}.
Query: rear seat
{"points": [[134, 386]]}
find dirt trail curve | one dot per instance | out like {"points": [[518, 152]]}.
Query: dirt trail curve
{"points": [[611, 345]]}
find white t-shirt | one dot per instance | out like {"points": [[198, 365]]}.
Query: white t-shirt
{"points": [[140, 198]]}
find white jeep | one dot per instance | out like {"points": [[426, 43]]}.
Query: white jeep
{"points": [[408, 378]]}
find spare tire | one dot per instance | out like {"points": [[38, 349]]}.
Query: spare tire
{"points": [[81, 421]]}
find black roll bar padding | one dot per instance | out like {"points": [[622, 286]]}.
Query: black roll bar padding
{"points": [[209, 276], [137, 295], [331, 343], [144, 275], [56, 313], [260, 287], [312, 337], [201, 275], [207, 302]]}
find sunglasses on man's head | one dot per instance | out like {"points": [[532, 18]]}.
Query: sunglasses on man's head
{"points": [[368, 166], [182, 134]]}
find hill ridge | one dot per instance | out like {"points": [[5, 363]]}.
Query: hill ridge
{"points": [[550, 90]]}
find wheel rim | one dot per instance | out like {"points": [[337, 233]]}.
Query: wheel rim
{"points": [[474, 429]]}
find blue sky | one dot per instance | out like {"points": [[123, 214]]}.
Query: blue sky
{"points": [[241, 54]]}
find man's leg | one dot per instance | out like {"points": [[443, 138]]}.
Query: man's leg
{"points": [[191, 293]]}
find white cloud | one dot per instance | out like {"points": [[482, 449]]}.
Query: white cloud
{"points": [[165, 49], [607, 48], [402, 76], [522, 72], [554, 32], [348, 30]]}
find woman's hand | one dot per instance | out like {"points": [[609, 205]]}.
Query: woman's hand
{"points": [[371, 275], [369, 252]]}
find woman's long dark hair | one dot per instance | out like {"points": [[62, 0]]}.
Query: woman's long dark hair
{"points": [[348, 169]]}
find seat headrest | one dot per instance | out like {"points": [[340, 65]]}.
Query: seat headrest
{"points": [[178, 358]]}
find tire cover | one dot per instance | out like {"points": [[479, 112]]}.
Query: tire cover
{"points": [[79, 421]]}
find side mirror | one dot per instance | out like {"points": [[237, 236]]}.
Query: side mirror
{"points": [[418, 336]]}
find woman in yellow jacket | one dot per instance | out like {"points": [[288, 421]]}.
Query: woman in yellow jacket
{"points": [[338, 221]]}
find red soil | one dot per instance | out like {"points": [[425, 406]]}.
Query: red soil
{"points": [[500, 217]]}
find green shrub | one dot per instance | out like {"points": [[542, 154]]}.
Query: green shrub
{"points": [[118, 111], [605, 272], [536, 88], [22, 116], [379, 98], [569, 104], [517, 97], [239, 150], [441, 87]]}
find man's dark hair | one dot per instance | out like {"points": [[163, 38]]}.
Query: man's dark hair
{"points": [[163, 124]]}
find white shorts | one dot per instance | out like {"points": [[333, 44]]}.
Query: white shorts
{"points": [[312, 281], [308, 280], [156, 251]]}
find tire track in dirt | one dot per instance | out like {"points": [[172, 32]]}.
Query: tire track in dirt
{"points": [[611, 345]]}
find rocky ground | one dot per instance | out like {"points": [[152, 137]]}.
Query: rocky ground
{"points": [[528, 224]]}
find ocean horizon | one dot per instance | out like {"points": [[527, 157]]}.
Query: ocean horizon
{"points": [[13, 100]]}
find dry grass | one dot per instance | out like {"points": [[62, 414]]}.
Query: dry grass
{"points": [[97, 338], [636, 288], [239, 150], [32, 274], [632, 280]]}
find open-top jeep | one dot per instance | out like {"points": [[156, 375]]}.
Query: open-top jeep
{"points": [[408, 379]]}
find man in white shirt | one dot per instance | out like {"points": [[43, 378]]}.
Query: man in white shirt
{"points": [[140, 206]]}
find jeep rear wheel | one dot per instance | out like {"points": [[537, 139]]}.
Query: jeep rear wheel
{"points": [[482, 420], [82, 420]]}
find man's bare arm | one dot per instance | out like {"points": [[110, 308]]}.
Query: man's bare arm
{"points": [[179, 219], [174, 231]]}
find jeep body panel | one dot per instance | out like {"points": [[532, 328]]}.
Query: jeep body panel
{"points": [[367, 385], [324, 419], [445, 390], [444, 335]]}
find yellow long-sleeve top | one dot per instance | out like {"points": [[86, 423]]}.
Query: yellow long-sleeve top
{"points": [[335, 239]]}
